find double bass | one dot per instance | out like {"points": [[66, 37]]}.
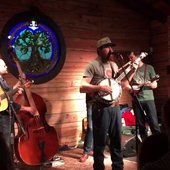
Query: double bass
{"points": [[40, 142]]}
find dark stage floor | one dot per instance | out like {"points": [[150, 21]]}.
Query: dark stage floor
{"points": [[68, 159]]}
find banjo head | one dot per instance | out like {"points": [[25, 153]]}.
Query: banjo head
{"points": [[114, 96]]}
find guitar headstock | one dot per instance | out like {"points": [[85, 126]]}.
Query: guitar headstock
{"points": [[143, 55], [156, 77]]}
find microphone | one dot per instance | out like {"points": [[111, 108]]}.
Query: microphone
{"points": [[143, 54], [116, 54], [109, 54]]}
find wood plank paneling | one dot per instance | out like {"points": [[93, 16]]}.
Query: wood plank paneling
{"points": [[160, 59], [82, 24]]}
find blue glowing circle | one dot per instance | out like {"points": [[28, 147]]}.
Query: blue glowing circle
{"points": [[38, 46]]}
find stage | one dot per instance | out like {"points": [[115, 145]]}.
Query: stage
{"points": [[68, 159]]}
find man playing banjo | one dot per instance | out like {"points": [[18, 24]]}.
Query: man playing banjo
{"points": [[106, 115]]}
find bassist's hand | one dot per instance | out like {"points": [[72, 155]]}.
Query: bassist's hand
{"points": [[20, 91], [29, 109], [18, 84]]}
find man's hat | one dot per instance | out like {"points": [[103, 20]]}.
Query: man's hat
{"points": [[105, 42]]}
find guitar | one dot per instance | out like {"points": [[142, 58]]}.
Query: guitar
{"points": [[138, 87], [4, 95]]}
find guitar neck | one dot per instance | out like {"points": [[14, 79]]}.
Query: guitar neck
{"points": [[156, 78], [9, 93]]}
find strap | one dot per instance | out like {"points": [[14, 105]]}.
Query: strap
{"points": [[145, 65], [113, 72], [145, 68]]}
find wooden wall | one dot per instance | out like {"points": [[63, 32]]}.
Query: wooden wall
{"points": [[160, 44], [82, 22]]}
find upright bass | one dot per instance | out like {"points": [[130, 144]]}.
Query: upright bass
{"points": [[40, 143]]}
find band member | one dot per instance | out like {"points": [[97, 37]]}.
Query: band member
{"points": [[6, 162], [106, 117], [6, 117], [88, 141], [142, 83]]}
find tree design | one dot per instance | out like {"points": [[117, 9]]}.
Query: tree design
{"points": [[34, 51]]}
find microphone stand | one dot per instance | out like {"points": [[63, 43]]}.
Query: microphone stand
{"points": [[135, 99]]}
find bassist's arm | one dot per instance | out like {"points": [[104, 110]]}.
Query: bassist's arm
{"points": [[29, 109]]}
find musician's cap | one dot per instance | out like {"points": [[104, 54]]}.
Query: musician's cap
{"points": [[105, 42]]}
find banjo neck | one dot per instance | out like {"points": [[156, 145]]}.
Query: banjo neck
{"points": [[126, 71], [123, 74]]}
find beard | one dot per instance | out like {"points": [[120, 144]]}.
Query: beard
{"points": [[106, 58]]}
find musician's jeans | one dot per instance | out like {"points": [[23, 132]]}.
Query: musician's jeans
{"points": [[89, 134], [5, 127], [151, 117], [107, 121]]}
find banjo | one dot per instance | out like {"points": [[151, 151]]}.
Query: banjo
{"points": [[109, 99]]}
